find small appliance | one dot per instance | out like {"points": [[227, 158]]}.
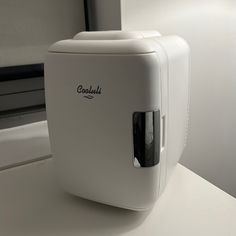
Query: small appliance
{"points": [[117, 108]]}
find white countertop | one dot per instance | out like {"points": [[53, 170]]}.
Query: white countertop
{"points": [[31, 204]]}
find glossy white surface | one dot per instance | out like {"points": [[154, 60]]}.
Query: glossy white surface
{"points": [[96, 136], [31, 204]]}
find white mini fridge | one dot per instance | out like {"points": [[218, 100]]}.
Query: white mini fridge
{"points": [[117, 108]]}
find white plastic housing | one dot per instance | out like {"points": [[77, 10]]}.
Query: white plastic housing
{"points": [[94, 85]]}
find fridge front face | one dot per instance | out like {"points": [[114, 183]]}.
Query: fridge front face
{"points": [[99, 107]]}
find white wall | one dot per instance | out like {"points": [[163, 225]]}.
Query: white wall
{"points": [[209, 26], [28, 27]]}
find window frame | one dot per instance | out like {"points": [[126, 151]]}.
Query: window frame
{"points": [[22, 91]]}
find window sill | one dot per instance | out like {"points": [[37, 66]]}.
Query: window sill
{"points": [[23, 144]]}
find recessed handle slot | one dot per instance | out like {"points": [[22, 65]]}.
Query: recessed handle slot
{"points": [[163, 132], [146, 138]]}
